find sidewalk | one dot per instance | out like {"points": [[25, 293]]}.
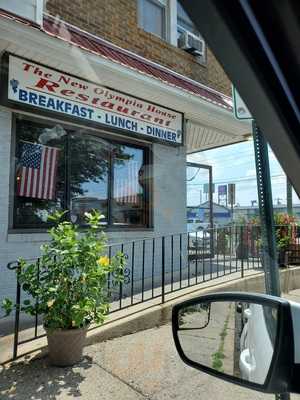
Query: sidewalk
{"points": [[27, 330], [137, 366], [144, 365]]}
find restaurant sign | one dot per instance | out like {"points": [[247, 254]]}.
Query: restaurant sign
{"points": [[35, 85]]}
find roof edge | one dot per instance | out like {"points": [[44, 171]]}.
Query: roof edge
{"points": [[137, 56]]}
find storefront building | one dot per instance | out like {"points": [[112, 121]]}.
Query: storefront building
{"points": [[87, 125]]}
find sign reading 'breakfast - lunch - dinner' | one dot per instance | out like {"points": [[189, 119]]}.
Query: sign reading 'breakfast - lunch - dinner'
{"points": [[38, 86]]}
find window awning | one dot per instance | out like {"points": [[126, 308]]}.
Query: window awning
{"points": [[105, 49], [202, 137]]}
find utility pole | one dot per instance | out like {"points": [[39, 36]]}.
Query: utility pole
{"points": [[269, 257], [289, 197], [265, 201], [266, 212]]}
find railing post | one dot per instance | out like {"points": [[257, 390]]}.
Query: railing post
{"points": [[242, 252], [36, 317], [121, 283], [132, 271], [180, 260], [143, 270], [109, 275], [17, 314], [153, 264], [163, 270]]}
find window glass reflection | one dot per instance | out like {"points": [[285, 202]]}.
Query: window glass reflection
{"points": [[66, 168], [39, 172], [128, 191], [88, 176]]}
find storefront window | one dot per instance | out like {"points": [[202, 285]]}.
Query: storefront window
{"points": [[40, 172], [60, 168]]}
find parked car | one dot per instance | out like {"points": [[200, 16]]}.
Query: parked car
{"points": [[199, 239], [193, 224], [257, 342]]}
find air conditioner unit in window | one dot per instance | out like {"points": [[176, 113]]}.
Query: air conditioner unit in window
{"points": [[191, 43]]}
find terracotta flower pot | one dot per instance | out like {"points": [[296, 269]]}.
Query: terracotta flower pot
{"points": [[65, 346]]}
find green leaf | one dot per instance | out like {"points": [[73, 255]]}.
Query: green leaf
{"points": [[7, 305], [68, 282]]}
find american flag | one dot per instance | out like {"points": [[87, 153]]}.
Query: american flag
{"points": [[36, 172], [126, 184]]}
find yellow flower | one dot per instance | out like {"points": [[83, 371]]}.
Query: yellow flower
{"points": [[73, 323], [50, 303], [103, 261]]}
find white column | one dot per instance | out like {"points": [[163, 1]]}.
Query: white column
{"points": [[5, 150]]}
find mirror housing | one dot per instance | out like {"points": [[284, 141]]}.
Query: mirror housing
{"points": [[281, 371]]}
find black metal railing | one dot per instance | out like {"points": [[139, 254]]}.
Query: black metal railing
{"points": [[159, 266]]}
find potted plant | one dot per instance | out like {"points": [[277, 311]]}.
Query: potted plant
{"points": [[68, 285], [285, 230]]}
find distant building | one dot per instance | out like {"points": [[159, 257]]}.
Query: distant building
{"points": [[200, 214], [247, 212]]}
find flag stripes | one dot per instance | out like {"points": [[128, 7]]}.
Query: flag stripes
{"points": [[37, 170]]}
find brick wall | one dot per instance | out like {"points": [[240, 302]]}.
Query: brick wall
{"points": [[116, 21]]}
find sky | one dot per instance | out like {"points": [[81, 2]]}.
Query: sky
{"points": [[234, 164]]}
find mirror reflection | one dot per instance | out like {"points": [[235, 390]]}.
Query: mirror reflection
{"points": [[235, 338]]}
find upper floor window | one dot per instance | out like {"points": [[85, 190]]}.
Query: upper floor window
{"points": [[152, 16], [168, 20], [188, 36], [184, 22]]}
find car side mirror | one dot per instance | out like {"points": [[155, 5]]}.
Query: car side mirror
{"points": [[244, 338]]}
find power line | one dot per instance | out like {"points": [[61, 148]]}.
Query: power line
{"points": [[217, 157], [223, 158], [241, 179]]}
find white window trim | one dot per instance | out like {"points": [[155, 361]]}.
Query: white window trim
{"points": [[172, 17], [29, 9], [39, 11]]}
